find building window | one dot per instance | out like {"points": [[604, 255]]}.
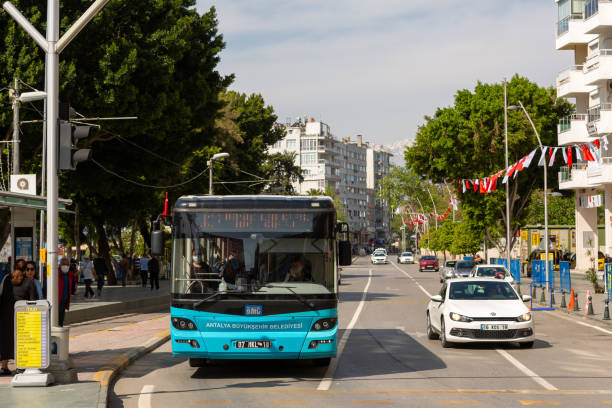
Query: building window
{"points": [[277, 145], [308, 158], [290, 144], [308, 144]]}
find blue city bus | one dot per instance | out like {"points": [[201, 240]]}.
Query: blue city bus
{"points": [[254, 277]]}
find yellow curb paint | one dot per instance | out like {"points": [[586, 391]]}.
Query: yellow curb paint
{"points": [[163, 334], [540, 402], [470, 403]]}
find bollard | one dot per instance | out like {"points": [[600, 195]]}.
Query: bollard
{"points": [[606, 311], [576, 307], [543, 296], [519, 290], [534, 294], [590, 305], [552, 298], [563, 304]]}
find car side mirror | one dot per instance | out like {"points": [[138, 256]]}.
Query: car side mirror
{"points": [[526, 298], [436, 298], [157, 242]]}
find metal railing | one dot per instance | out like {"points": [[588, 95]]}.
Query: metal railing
{"points": [[590, 7], [565, 174], [563, 25], [595, 111], [565, 73], [565, 123]]}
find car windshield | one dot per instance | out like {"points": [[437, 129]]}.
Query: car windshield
{"points": [[406, 254], [379, 253], [253, 253], [490, 271], [464, 265], [451, 263], [428, 258], [489, 290]]}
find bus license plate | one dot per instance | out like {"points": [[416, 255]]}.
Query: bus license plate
{"points": [[493, 327], [253, 344]]}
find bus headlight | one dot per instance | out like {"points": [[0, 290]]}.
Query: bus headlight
{"points": [[324, 324], [183, 324]]}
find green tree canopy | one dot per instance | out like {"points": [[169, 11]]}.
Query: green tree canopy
{"points": [[561, 210]]}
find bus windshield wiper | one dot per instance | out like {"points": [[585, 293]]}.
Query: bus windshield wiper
{"points": [[297, 295], [199, 302]]}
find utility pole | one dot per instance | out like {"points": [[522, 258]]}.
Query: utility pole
{"points": [[508, 182], [53, 46], [16, 164]]}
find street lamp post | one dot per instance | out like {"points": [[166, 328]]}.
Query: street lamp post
{"points": [[546, 268], [507, 183], [217, 156]]}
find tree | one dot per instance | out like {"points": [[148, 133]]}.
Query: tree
{"points": [[338, 204], [466, 239], [561, 210], [466, 140], [281, 173]]}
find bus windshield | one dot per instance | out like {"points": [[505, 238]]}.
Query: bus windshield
{"points": [[265, 253]]}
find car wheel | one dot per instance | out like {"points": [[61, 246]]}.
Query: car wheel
{"points": [[431, 334], [321, 362], [197, 362], [526, 345], [445, 343]]}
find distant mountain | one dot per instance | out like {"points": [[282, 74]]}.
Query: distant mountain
{"points": [[397, 148]]}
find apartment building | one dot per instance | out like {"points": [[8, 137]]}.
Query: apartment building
{"points": [[584, 27], [351, 167]]}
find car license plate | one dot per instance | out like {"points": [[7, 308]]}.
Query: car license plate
{"points": [[253, 344], [429, 267], [493, 327]]}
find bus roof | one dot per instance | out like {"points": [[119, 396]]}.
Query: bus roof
{"points": [[254, 202]]}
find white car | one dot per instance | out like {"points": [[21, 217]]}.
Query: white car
{"points": [[405, 257], [378, 257], [479, 310], [381, 250], [448, 271], [491, 271]]}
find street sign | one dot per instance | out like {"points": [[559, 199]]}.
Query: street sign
{"points": [[32, 334]]}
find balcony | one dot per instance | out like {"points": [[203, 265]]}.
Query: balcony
{"points": [[597, 67], [597, 16], [570, 82], [600, 120], [570, 32], [573, 129], [574, 177], [600, 173]]}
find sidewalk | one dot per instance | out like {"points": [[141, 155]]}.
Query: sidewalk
{"points": [[98, 356]]}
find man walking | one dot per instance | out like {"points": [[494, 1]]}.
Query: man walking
{"points": [[144, 270], [100, 270], [87, 273], [154, 272]]}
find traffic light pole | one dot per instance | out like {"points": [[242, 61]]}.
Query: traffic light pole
{"points": [[53, 45]]}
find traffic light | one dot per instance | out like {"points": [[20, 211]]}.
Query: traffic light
{"points": [[69, 155]]}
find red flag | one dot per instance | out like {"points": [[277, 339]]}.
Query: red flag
{"points": [[475, 185], [165, 213], [569, 156], [586, 153], [482, 186], [596, 143]]}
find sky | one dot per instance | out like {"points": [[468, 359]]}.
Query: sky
{"points": [[377, 67]]}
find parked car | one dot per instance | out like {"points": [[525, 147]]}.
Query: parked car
{"points": [[463, 268], [428, 263], [378, 257], [405, 257], [479, 310], [447, 271], [491, 271]]}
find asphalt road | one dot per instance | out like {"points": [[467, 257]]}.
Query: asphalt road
{"points": [[386, 359]]}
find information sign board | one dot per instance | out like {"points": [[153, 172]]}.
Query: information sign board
{"points": [[32, 334]]}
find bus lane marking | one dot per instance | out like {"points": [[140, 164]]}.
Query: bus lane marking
{"points": [[326, 382]]}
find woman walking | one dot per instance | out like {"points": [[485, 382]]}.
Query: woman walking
{"points": [[32, 274]]}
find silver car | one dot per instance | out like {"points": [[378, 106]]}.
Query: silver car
{"points": [[447, 271]]}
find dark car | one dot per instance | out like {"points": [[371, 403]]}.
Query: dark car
{"points": [[463, 268], [428, 263]]}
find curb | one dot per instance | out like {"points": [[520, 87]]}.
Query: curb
{"points": [[114, 308], [108, 373]]}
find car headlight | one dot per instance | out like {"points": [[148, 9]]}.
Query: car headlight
{"points": [[460, 318], [525, 317]]}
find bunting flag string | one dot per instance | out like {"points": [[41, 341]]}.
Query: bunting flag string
{"points": [[570, 154]]}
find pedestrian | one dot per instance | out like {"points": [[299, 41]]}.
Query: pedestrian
{"points": [[118, 272], [124, 266], [144, 270], [31, 273], [7, 326], [154, 272], [87, 273], [23, 288], [74, 270], [100, 269], [64, 283], [136, 267]]}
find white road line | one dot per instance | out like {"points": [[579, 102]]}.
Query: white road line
{"points": [[527, 371], [326, 382], [146, 394], [579, 322], [414, 280]]}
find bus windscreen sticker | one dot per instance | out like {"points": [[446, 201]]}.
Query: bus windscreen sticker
{"points": [[253, 310]]}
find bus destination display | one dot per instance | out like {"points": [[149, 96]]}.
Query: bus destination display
{"points": [[257, 222]]}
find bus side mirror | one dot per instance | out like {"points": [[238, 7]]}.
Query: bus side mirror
{"points": [[344, 253], [157, 242]]}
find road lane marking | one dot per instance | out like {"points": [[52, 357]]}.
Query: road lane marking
{"points": [[539, 402], [410, 276], [579, 322], [373, 402], [527, 371], [146, 394], [326, 382]]}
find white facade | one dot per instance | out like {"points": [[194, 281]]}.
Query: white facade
{"points": [[585, 27], [343, 165]]}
